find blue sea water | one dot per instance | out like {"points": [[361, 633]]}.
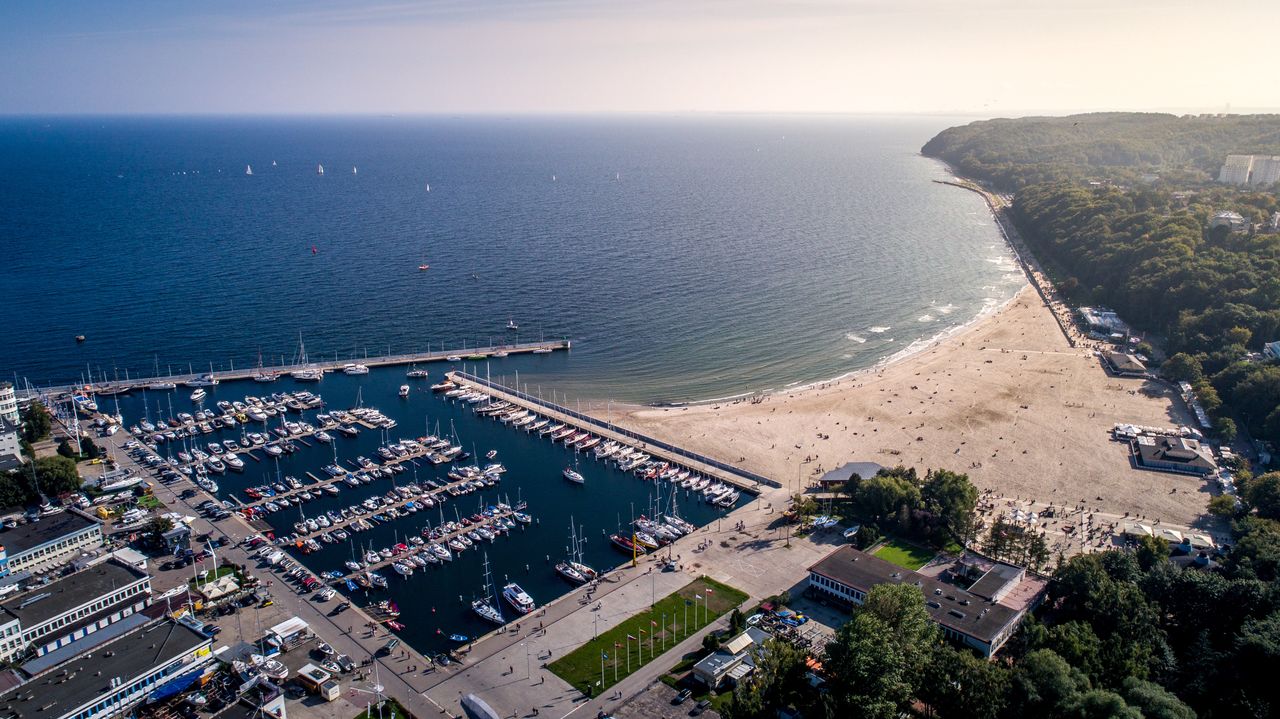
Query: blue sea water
{"points": [[688, 257]]}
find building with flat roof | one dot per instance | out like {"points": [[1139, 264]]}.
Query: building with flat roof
{"points": [[62, 612], [847, 574], [1102, 321], [50, 540], [1172, 454], [10, 445], [115, 677], [1250, 170]]}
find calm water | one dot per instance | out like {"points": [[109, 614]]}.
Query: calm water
{"points": [[437, 598], [688, 258]]}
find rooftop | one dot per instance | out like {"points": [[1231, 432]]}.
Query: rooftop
{"points": [[56, 598], [1175, 451], [1122, 362], [45, 530], [996, 581], [949, 606], [866, 470], [89, 676]]}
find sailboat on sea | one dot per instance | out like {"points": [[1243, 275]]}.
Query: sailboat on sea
{"points": [[487, 606], [248, 169], [353, 170], [319, 169]]}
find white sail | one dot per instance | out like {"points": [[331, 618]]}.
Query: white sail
{"points": [[248, 169], [319, 169]]}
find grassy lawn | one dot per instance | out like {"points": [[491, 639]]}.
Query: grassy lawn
{"points": [[907, 556], [390, 709], [666, 621], [215, 575]]}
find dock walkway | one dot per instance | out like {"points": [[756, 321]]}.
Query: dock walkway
{"points": [[708, 466], [473, 354]]}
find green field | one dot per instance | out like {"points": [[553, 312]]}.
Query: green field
{"points": [[907, 556], [666, 622], [390, 709]]}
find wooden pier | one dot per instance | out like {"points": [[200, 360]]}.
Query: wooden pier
{"points": [[473, 354]]}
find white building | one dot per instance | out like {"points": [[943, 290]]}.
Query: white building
{"points": [[50, 541], [1250, 170], [1233, 220], [156, 659], [63, 612], [8, 403]]}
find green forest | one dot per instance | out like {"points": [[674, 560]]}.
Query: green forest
{"points": [[1015, 153], [1144, 246]]}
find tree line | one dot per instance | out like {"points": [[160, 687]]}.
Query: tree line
{"points": [[1121, 634]]}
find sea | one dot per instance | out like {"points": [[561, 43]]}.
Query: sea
{"points": [[688, 258]]}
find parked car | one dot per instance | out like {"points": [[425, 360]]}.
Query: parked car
{"points": [[682, 696]]}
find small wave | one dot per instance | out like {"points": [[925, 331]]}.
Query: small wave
{"points": [[846, 356], [855, 338], [878, 330], [947, 309], [925, 318]]}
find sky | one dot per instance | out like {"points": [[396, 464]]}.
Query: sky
{"points": [[983, 57]]}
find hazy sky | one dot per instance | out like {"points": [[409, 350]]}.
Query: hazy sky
{"points": [[340, 56]]}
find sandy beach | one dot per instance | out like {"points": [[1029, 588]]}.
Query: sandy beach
{"points": [[1007, 400]]}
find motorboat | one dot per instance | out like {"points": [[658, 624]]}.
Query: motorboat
{"points": [[404, 390], [518, 598], [355, 369], [511, 325], [198, 395], [416, 373]]}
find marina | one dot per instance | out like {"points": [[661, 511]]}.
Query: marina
{"points": [[412, 479]]}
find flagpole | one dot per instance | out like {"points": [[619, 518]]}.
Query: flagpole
{"points": [[628, 654], [602, 656]]}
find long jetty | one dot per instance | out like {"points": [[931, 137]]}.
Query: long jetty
{"points": [[656, 448], [471, 354]]}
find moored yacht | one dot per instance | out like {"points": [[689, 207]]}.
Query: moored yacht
{"points": [[518, 598]]}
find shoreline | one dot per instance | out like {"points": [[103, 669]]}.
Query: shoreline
{"points": [[1016, 398], [923, 344]]}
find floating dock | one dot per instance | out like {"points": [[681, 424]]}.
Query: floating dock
{"points": [[714, 468]]}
